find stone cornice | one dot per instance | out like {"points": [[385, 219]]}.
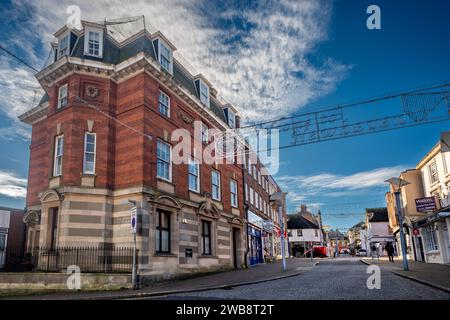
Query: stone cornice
{"points": [[118, 73]]}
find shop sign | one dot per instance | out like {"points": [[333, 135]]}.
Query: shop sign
{"points": [[268, 225], [255, 219], [425, 204]]}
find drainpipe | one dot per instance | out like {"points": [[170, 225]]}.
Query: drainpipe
{"points": [[246, 217]]}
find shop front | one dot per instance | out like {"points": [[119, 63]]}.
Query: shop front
{"points": [[255, 236], [255, 242]]}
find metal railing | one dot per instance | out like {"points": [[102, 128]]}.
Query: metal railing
{"points": [[88, 259]]}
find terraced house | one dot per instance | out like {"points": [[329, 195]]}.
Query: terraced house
{"points": [[101, 136]]}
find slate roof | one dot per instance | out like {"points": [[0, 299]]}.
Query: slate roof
{"points": [[112, 54], [378, 214], [298, 222]]}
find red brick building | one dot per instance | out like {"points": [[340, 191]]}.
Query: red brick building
{"points": [[103, 135], [12, 237]]}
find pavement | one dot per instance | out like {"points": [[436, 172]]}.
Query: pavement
{"points": [[223, 280], [432, 274], [342, 278]]}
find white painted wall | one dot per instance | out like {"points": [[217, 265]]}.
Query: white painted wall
{"points": [[307, 235], [443, 168], [379, 229]]}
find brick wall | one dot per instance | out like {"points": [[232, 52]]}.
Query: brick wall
{"points": [[124, 158]]}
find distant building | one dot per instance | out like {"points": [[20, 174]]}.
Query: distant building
{"points": [[303, 234], [409, 193], [335, 238], [354, 236], [379, 232], [12, 236]]}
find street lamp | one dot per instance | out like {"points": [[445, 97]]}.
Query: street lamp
{"points": [[397, 184], [278, 198]]}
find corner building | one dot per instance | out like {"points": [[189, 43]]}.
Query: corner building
{"points": [[101, 137]]}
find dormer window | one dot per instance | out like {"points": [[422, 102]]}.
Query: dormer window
{"points": [[165, 56], [63, 45], [93, 43], [203, 91], [231, 119]]}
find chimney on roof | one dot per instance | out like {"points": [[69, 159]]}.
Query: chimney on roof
{"points": [[303, 208]]}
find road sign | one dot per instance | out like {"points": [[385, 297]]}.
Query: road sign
{"points": [[133, 220]]}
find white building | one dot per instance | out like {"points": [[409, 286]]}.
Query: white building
{"points": [[431, 233], [303, 234], [378, 231]]}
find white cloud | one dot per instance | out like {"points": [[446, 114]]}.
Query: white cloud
{"points": [[258, 62], [302, 188], [12, 186]]}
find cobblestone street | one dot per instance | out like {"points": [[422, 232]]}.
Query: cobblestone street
{"points": [[343, 278]]}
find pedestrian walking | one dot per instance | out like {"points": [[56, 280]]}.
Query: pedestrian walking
{"points": [[374, 251], [390, 251]]}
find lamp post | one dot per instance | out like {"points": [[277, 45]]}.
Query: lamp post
{"points": [[278, 198], [397, 184]]}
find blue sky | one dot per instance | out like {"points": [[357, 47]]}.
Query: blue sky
{"points": [[271, 59]]}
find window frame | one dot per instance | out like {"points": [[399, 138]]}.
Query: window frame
{"points": [[66, 97], [234, 195], [231, 123], [66, 35], [197, 180], [201, 93], [433, 164], [169, 162], [163, 94], [213, 171], [86, 134], [159, 231], [87, 43], [163, 44], [205, 236], [57, 156], [204, 133], [431, 243]]}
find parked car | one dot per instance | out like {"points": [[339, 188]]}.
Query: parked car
{"points": [[361, 253], [318, 251]]}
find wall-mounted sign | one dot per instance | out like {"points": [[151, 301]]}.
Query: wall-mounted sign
{"points": [[133, 220], [268, 225], [255, 219], [188, 253], [425, 204]]}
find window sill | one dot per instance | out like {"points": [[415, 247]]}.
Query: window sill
{"points": [[205, 256], [165, 180], [433, 252], [162, 254]]}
